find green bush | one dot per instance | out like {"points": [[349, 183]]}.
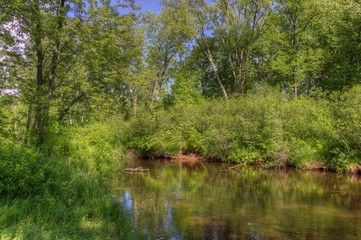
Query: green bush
{"points": [[154, 135], [94, 148], [263, 129]]}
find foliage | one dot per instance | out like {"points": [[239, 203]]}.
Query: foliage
{"points": [[73, 62], [93, 148], [264, 129], [52, 197], [26, 172], [150, 136], [82, 82], [345, 148]]}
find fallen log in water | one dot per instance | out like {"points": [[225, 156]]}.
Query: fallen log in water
{"points": [[136, 170], [234, 167]]}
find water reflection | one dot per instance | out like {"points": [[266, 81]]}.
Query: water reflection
{"points": [[126, 201], [199, 201]]}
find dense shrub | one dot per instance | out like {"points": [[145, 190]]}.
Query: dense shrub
{"points": [[345, 149], [152, 135], [94, 148], [264, 129]]}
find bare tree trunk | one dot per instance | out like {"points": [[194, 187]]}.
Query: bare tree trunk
{"points": [[154, 93], [215, 70], [245, 72], [15, 126], [135, 105], [28, 124]]}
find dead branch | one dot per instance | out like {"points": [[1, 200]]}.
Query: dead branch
{"points": [[234, 167], [136, 170]]}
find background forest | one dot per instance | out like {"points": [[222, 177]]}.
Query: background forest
{"points": [[82, 82]]}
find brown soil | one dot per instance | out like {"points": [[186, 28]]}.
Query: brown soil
{"points": [[316, 166], [355, 169], [187, 157]]}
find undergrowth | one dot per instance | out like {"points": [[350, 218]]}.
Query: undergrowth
{"points": [[62, 191], [265, 129]]}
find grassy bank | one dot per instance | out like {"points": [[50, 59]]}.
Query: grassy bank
{"points": [[62, 191], [265, 129]]}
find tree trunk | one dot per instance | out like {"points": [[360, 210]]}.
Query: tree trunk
{"points": [[28, 124], [215, 70], [65, 111], [45, 85], [295, 88], [135, 105], [154, 93], [40, 120]]}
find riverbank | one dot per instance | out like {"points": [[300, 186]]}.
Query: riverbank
{"points": [[62, 195], [266, 130], [193, 159]]}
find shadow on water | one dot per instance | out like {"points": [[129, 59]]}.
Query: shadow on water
{"points": [[199, 201]]}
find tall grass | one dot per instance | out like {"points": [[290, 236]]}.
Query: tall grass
{"points": [[59, 193]]}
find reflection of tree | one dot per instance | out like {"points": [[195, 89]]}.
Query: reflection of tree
{"points": [[186, 202]]}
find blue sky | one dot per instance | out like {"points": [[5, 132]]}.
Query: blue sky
{"points": [[151, 5]]}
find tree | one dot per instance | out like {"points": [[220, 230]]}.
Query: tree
{"points": [[200, 11], [341, 32], [228, 37], [237, 26], [42, 22], [64, 64], [111, 46], [167, 36], [296, 57]]}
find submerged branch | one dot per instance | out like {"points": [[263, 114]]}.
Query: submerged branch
{"points": [[137, 170], [234, 167]]}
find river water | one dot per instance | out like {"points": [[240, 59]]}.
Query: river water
{"points": [[200, 201]]}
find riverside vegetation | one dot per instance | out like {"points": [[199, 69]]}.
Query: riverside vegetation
{"points": [[266, 130], [62, 192], [84, 83]]}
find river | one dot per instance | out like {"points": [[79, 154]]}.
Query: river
{"points": [[179, 200]]}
